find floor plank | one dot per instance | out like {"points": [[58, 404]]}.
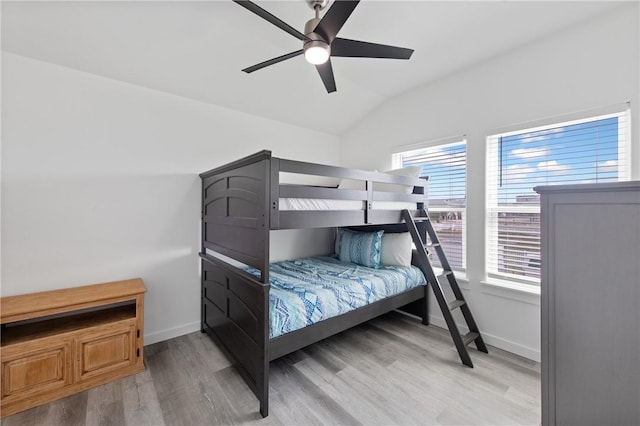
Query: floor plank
{"points": [[392, 370], [105, 406], [140, 401]]}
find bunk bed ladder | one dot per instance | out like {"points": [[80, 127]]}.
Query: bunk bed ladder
{"points": [[437, 282]]}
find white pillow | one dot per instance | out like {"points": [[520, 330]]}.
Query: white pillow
{"points": [[352, 184], [395, 249], [409, 171]]}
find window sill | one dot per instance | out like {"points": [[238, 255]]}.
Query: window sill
{"points": [[526, 293]]}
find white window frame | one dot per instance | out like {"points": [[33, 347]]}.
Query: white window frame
{"points": [[396, 161], [530, 284]]}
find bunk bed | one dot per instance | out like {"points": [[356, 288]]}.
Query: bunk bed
{"points": [[242, 202]]}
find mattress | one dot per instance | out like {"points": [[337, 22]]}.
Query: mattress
{"points": [[322, 204], [306, 291]]}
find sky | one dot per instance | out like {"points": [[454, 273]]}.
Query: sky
{"points": [[585, 152], [579, 153], [446, 167]]}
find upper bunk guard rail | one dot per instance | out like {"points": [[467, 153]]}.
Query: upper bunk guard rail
{"points": [[304, 168], [300, 191], [288, 219], [240, 203], [368, 179]]}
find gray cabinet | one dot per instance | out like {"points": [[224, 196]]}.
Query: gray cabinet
{"points": [[590, 301]]}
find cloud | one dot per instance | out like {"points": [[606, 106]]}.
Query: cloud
{"points": [[554, 167], [529, 152], [609, 166], [518, 172]]}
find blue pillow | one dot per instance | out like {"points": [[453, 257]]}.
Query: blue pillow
{"points": [[362, 248]]}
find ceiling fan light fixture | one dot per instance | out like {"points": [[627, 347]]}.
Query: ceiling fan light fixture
{"points": [[317, 52]]}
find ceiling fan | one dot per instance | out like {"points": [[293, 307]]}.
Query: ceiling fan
{"points": [[320, 41]]}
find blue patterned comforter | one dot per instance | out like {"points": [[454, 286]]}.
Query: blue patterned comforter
{"points": [[306, 291]]}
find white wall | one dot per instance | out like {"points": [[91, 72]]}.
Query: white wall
{"points": [[589, 66], [100, 183], [289, 244]]}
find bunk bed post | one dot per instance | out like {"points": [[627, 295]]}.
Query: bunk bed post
{"points": [[420, 307], [369, 204], [262, 382], [274, 208], [422, 231], [203, 234], [272, 172], [421, 226]]}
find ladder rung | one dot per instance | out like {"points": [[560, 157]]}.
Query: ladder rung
{"points": [[456, 304], [432, 245], [421, 218], [444, 275], [470, 337]]}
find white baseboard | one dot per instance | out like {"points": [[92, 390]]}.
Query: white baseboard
{"points": [[170, 333], [498, 342]]}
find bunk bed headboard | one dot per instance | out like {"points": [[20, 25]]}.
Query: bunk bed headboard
{"points": [[235, 211]]}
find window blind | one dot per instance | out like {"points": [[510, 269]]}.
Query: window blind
{"points": [[446, 166], [582, 151]]}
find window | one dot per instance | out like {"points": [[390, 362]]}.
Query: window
{"points": [[446, 166], [581, 151]]}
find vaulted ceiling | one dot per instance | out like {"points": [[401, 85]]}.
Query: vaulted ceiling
{"points": [[197, 49]]}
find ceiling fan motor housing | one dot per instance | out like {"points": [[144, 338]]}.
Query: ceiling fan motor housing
{"points": [[316, 39], [311, 25]]}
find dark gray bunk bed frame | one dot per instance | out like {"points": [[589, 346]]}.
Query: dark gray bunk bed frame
{"points": [[239, 209]]}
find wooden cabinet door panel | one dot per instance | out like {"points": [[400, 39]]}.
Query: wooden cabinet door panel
{"points": [[33, 367], [105, 349]]}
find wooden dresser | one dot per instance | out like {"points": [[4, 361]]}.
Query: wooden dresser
{"points": [[60, 342], [590, 304]]}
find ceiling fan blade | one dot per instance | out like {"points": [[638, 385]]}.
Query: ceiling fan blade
{"points": [[326, 74], [343, 47], [269, 17], [335, 18], [273, 61]]}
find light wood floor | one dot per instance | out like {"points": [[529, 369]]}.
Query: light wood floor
{"points": [[392, 370]]}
